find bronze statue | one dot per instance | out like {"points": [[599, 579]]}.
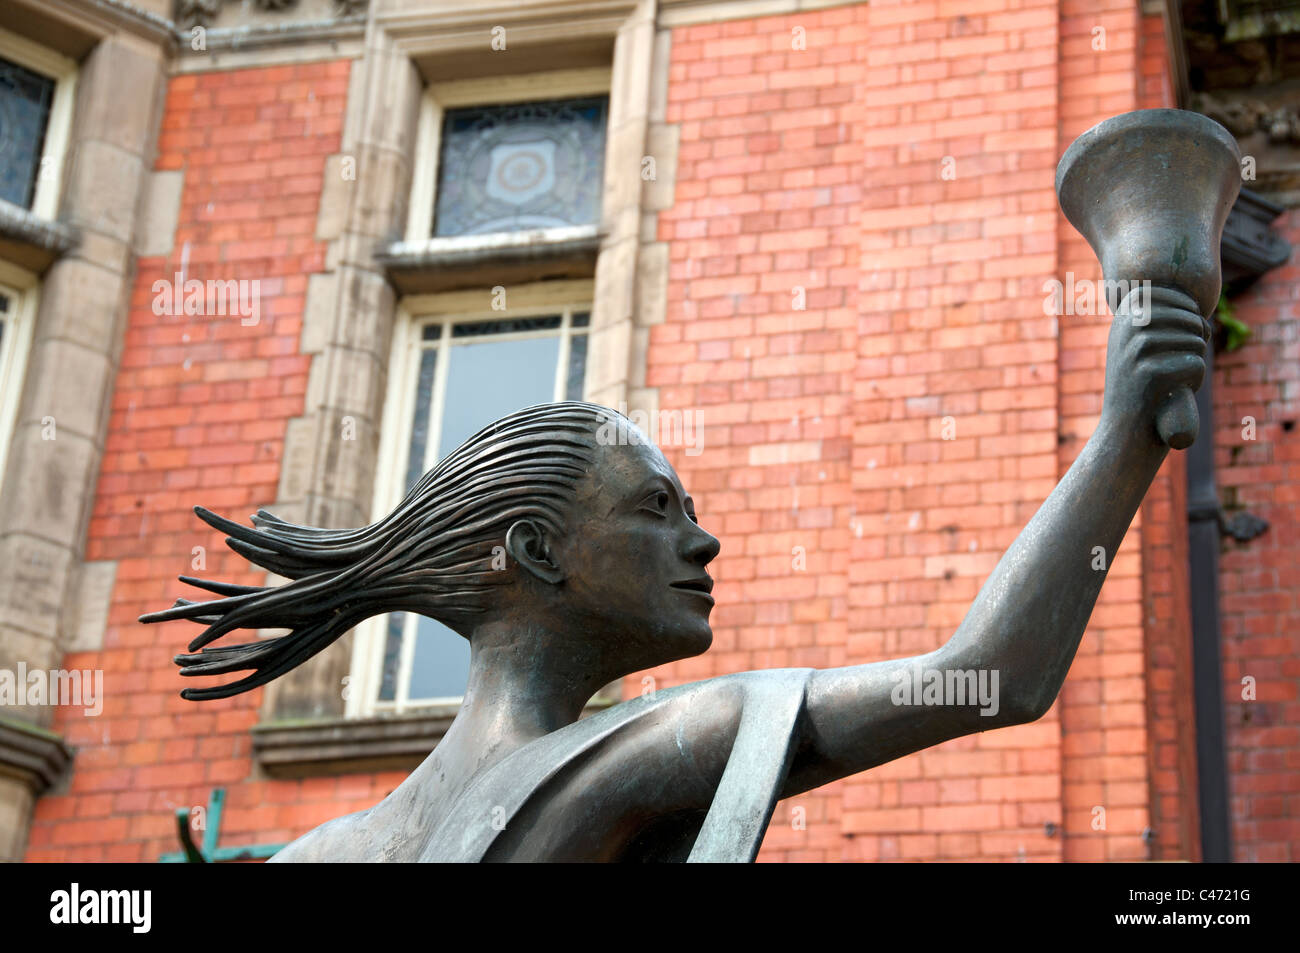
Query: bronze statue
{"points": [[607, 575]]}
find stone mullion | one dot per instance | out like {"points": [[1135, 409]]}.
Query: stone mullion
{"points": [[330, 452]]}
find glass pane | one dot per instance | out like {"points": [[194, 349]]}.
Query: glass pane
{"points": [[489, 379], [24, 111], [420, 423], [392, 656], [581, 319], [577, 367], [486, 380], [521, 166], [441, 665]]}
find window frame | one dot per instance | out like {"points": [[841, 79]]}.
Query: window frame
{"points": [[413, 314], [58, 126], [15, 351], [489, 91]]}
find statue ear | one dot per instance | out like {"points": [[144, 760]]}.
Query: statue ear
{"points": [[526, 542]]}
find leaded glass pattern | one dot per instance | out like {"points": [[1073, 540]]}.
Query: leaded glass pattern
{"points": [[25, 99], [467, 374], [520, 166], [577, 367]]}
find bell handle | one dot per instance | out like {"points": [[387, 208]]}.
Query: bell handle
{"points": [[1177, 420]]}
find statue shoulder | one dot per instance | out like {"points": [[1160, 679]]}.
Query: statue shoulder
{"points": [[697, 722], [710, 703], [345, 839]]}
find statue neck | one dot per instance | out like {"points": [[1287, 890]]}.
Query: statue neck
{"points": [[524, 682]]}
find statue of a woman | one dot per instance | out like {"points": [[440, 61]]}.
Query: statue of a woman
{"points": [[606, 575]]}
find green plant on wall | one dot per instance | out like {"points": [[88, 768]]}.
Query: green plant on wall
{"points": [[1237, 331]]}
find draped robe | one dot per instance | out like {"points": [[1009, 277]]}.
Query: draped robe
{"points": [[539, 801]]}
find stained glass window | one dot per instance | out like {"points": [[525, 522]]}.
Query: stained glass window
{"points": [[25, 99], [466, 375], [520, 166]]}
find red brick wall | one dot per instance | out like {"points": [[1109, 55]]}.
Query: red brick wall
{"points": [[822, 168], [951, 325], [768, 190], [1259, 586], [199, 414]]}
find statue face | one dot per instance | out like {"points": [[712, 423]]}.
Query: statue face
{"points": [[634, 558]]}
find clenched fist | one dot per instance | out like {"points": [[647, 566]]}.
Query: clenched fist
{"points": [[1156, 349]]}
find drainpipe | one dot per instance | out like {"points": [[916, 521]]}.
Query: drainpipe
{"points": [[1207, 668]]}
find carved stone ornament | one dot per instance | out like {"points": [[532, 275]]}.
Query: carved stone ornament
{"points": [[192, 13]]}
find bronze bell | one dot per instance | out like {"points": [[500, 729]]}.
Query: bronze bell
{"points": [[1150, 191]]}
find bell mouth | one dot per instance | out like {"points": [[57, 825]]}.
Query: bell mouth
{"points": [[1139, 131], [1150, 190]]}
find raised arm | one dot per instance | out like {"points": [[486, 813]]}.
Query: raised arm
{"points": [[1024, 627]]}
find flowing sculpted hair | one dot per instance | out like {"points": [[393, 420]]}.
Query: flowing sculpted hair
{"points": [[432, 555]]}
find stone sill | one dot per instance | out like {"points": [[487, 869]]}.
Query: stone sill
{"points": [[503, 258], [309, 748], [30, 241], [33, 755]]}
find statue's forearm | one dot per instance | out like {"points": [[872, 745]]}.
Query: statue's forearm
{"points": [[1028, 619], [1025, 626]]}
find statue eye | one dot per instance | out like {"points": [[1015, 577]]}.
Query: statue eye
{"points": [[657, 503]]}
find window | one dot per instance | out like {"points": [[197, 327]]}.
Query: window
{"points": [[36, 90], [520, 166], [509, 154], [17, 318], [451, 375], [25, 99]]}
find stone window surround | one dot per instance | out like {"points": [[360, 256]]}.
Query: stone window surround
{"points": [[352, 307]]}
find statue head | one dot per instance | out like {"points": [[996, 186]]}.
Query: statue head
{"points": [[561, 518]]}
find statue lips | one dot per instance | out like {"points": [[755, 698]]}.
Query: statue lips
{"points": [[702, 586]]}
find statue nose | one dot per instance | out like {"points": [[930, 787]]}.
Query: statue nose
{"points": [[701, 547]]}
